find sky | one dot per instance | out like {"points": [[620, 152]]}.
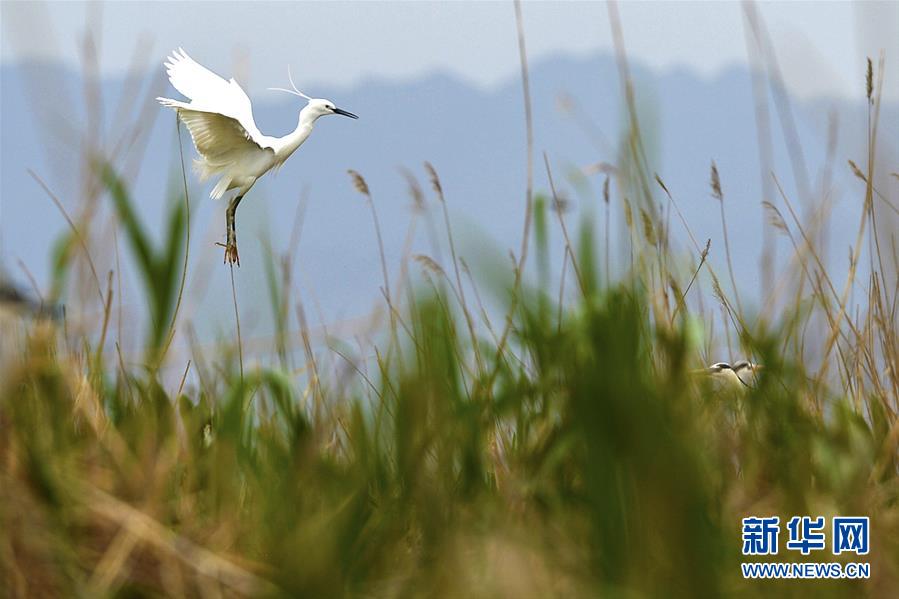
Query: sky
{"points": [[821, 45]]}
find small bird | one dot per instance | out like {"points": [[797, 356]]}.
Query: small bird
{"points": [[219, 117], [738, 376]]}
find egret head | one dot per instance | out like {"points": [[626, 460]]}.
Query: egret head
{"points": [[721, 377], [747, 372], [718, 367], [746, 365], [729, 378], [318, 107]]}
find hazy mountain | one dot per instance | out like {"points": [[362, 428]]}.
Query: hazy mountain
{"points": [[474, 137]]}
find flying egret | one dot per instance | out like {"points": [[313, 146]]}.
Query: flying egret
{"points": [[219, 117]]}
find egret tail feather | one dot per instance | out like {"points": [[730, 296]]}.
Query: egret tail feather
{"points": [[168, 102], [220, 188]]}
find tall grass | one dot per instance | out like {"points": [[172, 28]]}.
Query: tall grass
{"points": [[568, 450]]}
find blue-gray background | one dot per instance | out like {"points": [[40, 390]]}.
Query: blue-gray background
{"points": [[437, 82]]}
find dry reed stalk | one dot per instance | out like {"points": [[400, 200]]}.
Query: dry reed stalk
{"points": [[362, 187], [183, 379], [702, 259], [81, 240], [469, 321], [809, 246], [311, 366], [868, 206], [150, 531], [477, 297], [605, 198], [715, 183], [635, 144], [107, 311], [418, 208], [171, 334], [734, 316], [529, 131], [31, 280], [765, 151], [529, 199], [781, 100], [403, 278], [405, 327], [778, 222], [237, 321], [113, 560], [562, 291], [568, 247], [118, 269]]}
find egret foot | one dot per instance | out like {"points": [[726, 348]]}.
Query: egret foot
{"points": [[231, 256]]}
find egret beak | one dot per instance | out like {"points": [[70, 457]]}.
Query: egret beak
{"points": [[342, 112]]}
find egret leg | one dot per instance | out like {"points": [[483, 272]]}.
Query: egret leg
{"points": [[231, 256]]}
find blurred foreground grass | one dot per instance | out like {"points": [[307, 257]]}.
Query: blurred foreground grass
{"points": [[574, 456]]}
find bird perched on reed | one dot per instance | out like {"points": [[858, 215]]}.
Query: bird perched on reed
{"points": [[219, 117]]}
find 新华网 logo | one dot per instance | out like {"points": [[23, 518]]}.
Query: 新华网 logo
{"points": [[848, 535]]}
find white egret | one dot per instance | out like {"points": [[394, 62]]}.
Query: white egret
{"points": [[738, 376], [219, 117], [747, 372]]}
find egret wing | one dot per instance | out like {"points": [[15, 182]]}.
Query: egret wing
{"points": [[220, 139], [211, 94]]}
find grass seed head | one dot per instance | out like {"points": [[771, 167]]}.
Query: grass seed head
{"points": [[869, 81], [429, 263], [716, 289], [648, 228], [359, 183], [775, 217], [662, 184], [418, 196], [857, 171], [435, 180], [716, 184]]}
